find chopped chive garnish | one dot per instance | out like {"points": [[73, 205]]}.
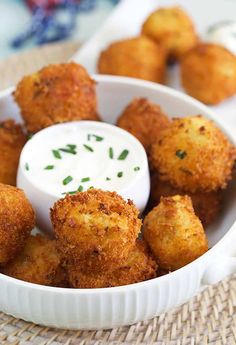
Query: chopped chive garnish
{"points": [[68, 151], [88, 137], [108, 179], [49, 167], [136, 168], [97, 137], [89, 148], [85, 179], [27, 166], [123, 155], [181, 154], [80, 189], [91, 187], [111, 152], [56, 154], [72, 192], [71, 146], [120, 174], [67, 180], [30, 136]]}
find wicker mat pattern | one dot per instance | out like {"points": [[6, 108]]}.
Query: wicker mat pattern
{"points": [[207, 319]]}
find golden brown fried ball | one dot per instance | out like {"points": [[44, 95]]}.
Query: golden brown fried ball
{"points": [[95, 227], [206, 205], [174, 233], [172, 28], [138, 267], [138, 57], [37, 263], [55, 94], [208, 73], [143, 119], [12, 140], [194, 155], [17, 219]]}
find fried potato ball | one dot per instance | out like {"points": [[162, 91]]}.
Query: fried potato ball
{"points": [[143, 119], [12, 140], [194, 155], [138, 57], [174, 233], [208, 73], [17, 219], [55, 94], [95, 227], [172, 28], [37, 263], [138, 267], [206, 205]]}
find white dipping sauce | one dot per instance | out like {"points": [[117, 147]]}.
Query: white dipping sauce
{"points": [[75, 156], [224, 34]]}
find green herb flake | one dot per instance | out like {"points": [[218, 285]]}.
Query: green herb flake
{"points": [[80, 189], [108, 179], [123, 155], [181, 154], [136, 168], [98, 138], [71, 151], [91, 187], [85, 179], [120, 174], [27, 166], [89, 148], [88, 137], [49, 167], [70, 193], [56, 154], [67, 180], [30, 136], [71, 146], [111, 152]]}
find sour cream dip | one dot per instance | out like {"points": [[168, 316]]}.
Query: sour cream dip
{"points": [[223, 33], [75, 156]]}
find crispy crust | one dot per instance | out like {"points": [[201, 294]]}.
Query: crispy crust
{"points": [[138, 57], [95, 227], [55, 94], [174, 233], [143, 119], [17, 219], [208, 155], [208, 73], [12, 140]]}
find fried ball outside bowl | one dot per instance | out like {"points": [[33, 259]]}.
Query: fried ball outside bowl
{"points": [[55, 94], [138, 57], [174, 233], [143, 119], [17, 219], [138, 267], [208, 73], [37, 263], [171, 27], [194, 155], [206, 205], [96, 228], [12, 140]]}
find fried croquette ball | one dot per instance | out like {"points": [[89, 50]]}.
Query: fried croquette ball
{"points": [[172, 28], [55, 94], [174, 233], [194, 155], [37, 263], [138, 57], [208, 73], [138, 267], [143, 119], [206, 204], [17, 219], [95, 227], [12, 140]]}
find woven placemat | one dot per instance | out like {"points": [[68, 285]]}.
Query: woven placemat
{"points": [[207, 319]]}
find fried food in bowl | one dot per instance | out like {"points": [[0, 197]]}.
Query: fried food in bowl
{"points": [[172, 28], [194, 155], [208, 73], [55, 94], [144, 119], [12, 140], [139, 266], [95, 228], [174, 233], [17, 219], [138, 57]]}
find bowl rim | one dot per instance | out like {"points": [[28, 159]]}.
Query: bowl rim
{"points": [[144, 284]]}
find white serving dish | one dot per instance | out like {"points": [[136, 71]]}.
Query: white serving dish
{"points": [[125, 305]]}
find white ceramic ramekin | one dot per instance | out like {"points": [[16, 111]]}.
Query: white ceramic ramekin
{"points": [[125, 305]]}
